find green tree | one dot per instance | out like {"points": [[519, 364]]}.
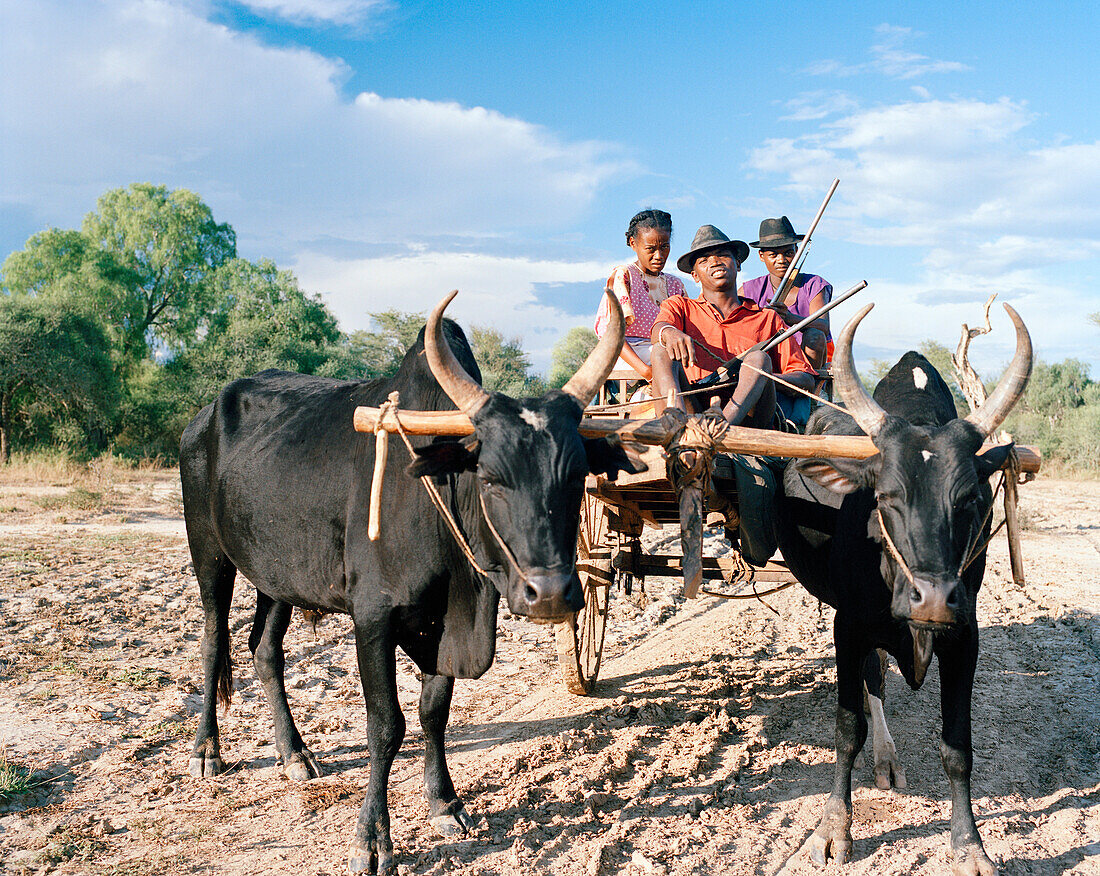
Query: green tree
{"points": [[380, 351], [56, 377], [155, 252], [1058, 386], [260, 318], [51, 260], [569, 354], [504, 365], [1094, 318]]}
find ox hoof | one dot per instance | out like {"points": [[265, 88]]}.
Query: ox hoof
{"points": [[205, 767], [889, 772], [833, 837], [972, 861], [457, 823], [821, 848], [365, 860], [302, 766]]}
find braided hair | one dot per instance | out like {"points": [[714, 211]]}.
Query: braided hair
{"points": [[649, 218]]}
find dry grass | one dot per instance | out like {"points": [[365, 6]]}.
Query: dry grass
{"points": [[60, 470]]}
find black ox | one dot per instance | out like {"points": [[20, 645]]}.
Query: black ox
{"points": [[910, 589], [276, 485]]}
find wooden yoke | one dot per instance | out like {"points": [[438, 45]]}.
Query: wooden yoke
{"points": [[737, 439]]}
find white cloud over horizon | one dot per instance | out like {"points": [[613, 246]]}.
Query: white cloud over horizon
{"points": [[497, 291], [103, 93], [950, 175]]}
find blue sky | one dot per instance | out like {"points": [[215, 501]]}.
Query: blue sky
{"points": [[387, 152]]}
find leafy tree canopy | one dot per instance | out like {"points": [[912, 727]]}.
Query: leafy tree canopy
{"points": [[141, 263], [569, 354], [382, 350], [158, 250], [504, 365], [55, 373], [259, 319]]}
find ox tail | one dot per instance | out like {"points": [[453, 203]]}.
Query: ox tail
{"points": [[224, 674]]}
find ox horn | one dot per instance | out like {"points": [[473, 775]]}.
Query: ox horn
{"points": [[464, 391], [1011, 385], [867, 412], [588, 379]]}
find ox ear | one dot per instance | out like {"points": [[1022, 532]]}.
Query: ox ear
{"points": [[607, 457], [842, 476], [443, 457], [993, 460]]}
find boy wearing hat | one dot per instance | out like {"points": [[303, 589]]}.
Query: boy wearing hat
{"points": [[693, 336], [806, 293]]}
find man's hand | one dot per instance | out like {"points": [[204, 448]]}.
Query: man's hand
{"points": [[679, 345], [784, 314]]}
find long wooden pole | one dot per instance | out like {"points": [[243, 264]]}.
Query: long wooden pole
{"points": [[792, 268], [738, 439]]}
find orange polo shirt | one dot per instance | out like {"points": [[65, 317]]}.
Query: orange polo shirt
{"points": [[745, 326]]}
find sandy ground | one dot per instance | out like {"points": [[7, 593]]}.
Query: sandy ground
{"points": [[706, 748]]}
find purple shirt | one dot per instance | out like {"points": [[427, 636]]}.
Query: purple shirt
{"points": [[760, 290]]}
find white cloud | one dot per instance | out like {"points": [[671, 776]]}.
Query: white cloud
{"points": [[496, 291], [888, 57], [814, 105], [947, 174], [102, 95], [894, 61], [963, 184], [330, 11], [904, 317]]}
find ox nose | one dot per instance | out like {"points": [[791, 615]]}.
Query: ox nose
{"points": [[551, 594], [933, 602]]}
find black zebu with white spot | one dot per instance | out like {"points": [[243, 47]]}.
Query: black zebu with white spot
{"points": [[904, 590], [276, 484]]}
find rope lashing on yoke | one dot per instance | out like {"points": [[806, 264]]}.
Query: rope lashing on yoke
{"points": [[373, 526], [390, 406], [691, 445]]}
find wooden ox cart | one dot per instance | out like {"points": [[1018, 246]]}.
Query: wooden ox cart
{"points": [[680, 453]]}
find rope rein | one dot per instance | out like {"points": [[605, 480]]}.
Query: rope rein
{"points": [[973, 550], [437, 500], [433, 493]]}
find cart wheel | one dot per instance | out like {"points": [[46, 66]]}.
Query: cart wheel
{"points": [[580, 637]]}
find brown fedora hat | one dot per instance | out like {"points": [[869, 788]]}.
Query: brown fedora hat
{"points": [[707, 239], [776, 234]]}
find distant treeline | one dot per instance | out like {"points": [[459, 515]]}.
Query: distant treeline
{"points": [[114, 335]]}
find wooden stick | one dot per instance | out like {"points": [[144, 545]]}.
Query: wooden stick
{"points": [[788, 276], [381, 451], [1012, 530], [738, 439]]}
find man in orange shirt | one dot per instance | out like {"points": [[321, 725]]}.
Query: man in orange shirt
{"points": [[693, 336]]}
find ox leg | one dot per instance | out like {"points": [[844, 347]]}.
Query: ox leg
{"points": [[266, 644], [215, 576], [448, 816], [833, 835], [958, 658], [372, 849], [887, 770]]}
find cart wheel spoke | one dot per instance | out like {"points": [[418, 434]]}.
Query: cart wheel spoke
{"points": [[580, 638]]}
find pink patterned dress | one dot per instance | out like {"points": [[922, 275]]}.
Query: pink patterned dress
{"points": [[641, 301]]}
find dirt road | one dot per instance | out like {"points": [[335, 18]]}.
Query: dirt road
{"points": [[707, 748]]}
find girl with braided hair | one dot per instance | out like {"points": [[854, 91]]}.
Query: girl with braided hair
{"points": [[641, 286]]}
